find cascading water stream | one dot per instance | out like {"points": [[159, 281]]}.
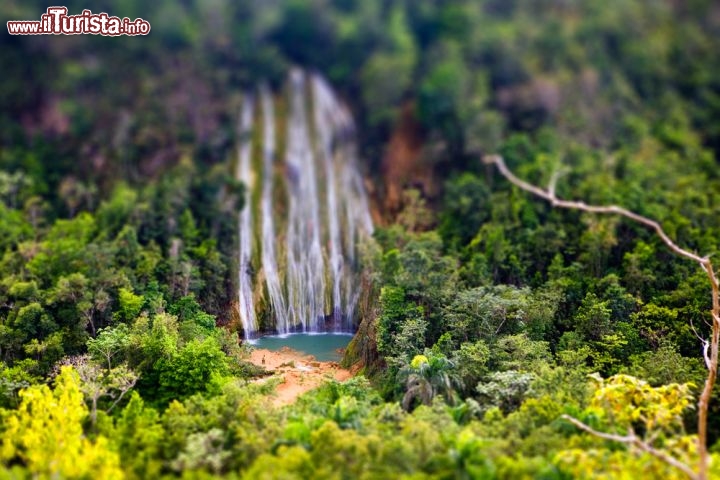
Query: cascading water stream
{"points": [[323, 126], [304, 254], [327, 213], [245, 296], [269, 260], [349, 212]]}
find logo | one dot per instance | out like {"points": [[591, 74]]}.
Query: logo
{"points": [[56, 21]]}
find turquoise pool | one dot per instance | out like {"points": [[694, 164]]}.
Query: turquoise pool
{"points": [[323, 346]]}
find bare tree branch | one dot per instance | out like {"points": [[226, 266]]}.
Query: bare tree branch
{"points": [[633, 440], [122, 393], [611, 209], [606, 436]]}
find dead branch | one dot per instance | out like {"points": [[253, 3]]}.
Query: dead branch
{"points": [[549, 195], [632, 439]]}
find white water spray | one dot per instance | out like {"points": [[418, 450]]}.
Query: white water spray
{"points": [[245, 294]]}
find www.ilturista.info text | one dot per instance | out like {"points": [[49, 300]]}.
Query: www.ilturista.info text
{"points": [[56, 21]]}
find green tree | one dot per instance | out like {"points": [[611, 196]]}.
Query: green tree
{"points": [[505, 390], [192, 369], [110, 343], [428, 376], [45, 434]]}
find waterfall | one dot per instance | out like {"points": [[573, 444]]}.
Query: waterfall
{"points": [[313, 222], [245, 295]]}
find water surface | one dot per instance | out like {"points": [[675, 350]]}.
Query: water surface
{"points": [[323, 346]]}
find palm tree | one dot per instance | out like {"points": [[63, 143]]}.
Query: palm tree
{"points": [[428, 376]]}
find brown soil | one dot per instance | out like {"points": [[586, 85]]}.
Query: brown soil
{"points": [[300, 373], [402, 164]]}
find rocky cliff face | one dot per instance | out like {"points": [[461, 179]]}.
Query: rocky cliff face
{"points": [[405, 163]]}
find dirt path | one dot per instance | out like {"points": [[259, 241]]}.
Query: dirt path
{"points": [[300, 373]]}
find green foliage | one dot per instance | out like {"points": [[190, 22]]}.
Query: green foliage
{"points": [[471, 360], [447, 94], [401, 325], [487, 312], [387, 76], [192, 369], [64, 250], [191, 316], [138, 435], [665, 365], [465, 209], [593, 318], [129, 305], [13, 228], [13, 379], [518, 352]]}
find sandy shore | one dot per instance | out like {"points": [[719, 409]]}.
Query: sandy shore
{"points": [[300, 373]]}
